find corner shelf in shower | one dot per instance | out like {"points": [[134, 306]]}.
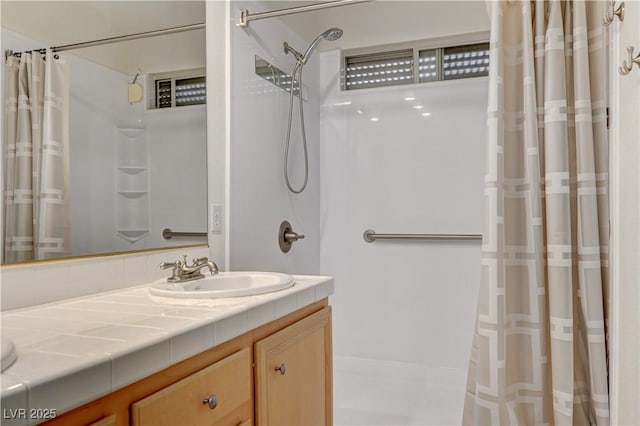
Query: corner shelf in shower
{"points": [[132, 183], [133, 194], [133, 235], [132, 170]]}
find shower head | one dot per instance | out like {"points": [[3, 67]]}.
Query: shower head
{"points": [[332, 34]]}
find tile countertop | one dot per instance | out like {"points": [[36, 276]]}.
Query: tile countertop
{"points": [[78, 350]]}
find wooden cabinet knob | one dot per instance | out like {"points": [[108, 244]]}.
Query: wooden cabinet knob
{"points": [[282, 368], [212, 401]]}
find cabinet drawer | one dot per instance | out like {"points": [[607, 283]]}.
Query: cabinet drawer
{"points": [[228, 380]]}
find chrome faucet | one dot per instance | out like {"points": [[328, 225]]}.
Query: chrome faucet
{"points": [[183, 272]]}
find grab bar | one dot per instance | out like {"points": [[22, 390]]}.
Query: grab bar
{"points": [[167, 234], [370, 236]]}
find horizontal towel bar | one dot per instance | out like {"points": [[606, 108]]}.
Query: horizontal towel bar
{"points": [[370, 236], [167, 234]]}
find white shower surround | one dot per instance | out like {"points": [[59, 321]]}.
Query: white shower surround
{"points": [[259, 198], [403, 311]]}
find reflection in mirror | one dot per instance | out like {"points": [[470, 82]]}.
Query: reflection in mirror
{"points": [[115, 151]]}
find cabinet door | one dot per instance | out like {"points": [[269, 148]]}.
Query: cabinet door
{"points": [[228, 381], [294, 374]]}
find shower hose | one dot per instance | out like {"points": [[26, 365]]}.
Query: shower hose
{"points": [[296, 70]]}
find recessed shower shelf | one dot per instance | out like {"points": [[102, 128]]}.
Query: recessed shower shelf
{"points": [[133, 194]]}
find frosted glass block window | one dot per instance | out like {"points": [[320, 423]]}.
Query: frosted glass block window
{"points": [[465, 61], [191, 91], [379, 69], [178, 90], [428, 65]]}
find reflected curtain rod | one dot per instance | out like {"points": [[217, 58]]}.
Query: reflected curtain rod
{"points": [[116, 39], [246, 16]]}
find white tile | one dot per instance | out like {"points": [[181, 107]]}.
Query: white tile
{"points": [[75, 319], [306, 297], [228, 328], [129, 333], [128, 297], [110, 274], [324, 289], [80, 387], [23, 337], [32, 365], [167, 324], [135, 270], [200, 252], [261, 315], [83, 278], [52, 283], [29, 324], [17, 287], [90, 305], [154, 273], [14, 400], [192, 342], [139, 364], [286, 305], [77, 345]]}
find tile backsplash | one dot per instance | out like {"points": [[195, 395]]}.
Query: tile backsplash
{"points": [[34, 284]]}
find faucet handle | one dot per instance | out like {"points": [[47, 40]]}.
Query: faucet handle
{"points": [[167, 265]]}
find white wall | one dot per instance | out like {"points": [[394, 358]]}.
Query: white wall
{"points": [[259, 197], [625, 225], [402, 301]]}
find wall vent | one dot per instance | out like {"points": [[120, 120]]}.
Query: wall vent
{"points": [[395, 67]]}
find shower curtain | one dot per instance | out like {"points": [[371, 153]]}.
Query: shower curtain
{"points": [[36, 158], [539, 354]]}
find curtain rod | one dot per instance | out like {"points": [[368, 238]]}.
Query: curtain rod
{"points": [[116, 39], [246, 17]]}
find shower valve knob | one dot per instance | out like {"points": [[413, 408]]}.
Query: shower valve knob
{"points": [[287, 236], [293, 236]]}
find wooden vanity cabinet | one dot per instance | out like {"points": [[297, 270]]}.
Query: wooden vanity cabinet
{"points": [[294, 375], [241, 374]]}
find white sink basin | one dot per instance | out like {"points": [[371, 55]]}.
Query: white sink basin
{"points": [[8, 353], [224, 284]]}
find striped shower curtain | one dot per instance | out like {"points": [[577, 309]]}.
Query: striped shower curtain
{"points": [[539, 354], [36, 216]]}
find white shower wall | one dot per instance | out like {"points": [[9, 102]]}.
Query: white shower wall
{"points": [[259, 198], [176, 140], [410, 302]]}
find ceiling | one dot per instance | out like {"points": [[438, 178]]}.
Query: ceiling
{"points": [[56, 23]]}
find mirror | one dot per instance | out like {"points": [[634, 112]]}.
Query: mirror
{"points": [[136, 120]]}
